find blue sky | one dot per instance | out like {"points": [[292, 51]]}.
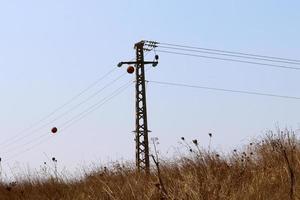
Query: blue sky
{"points": [[51, 50]]}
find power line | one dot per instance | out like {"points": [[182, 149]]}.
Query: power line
{"points": [[93, 107], [83, 114], [224, 90], [228, 54], [232, 52], [27, 149], [60, 107], [70, 122], [229, 59], [21, 137], [97, 105], [26, 143], [73, 120]]}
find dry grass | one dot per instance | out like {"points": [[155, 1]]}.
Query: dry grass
{"points": [[268, 169]]}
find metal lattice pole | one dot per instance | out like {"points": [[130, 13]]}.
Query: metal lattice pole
{"points": [[141, 124]]}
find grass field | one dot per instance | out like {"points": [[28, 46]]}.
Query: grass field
{"points": [[266, 169]]}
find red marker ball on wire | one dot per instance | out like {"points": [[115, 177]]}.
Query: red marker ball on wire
{"points": [[54, 130], [130, 70]]}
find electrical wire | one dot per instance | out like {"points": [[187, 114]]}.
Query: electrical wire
{"points": [[75, 119], [94, 107], [228, 55], [82, 115], [99, 104], [60, 107], [21, 137], [70, 122], [229, 59], [223, 90], [26, 150], [231, 52], [12, 149]]}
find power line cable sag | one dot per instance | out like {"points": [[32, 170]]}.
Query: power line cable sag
{"points": [[72, 121], [61, 107], [95, 106], [103, 99], [26, 150], [80, 103], [231, 52], [83, 114], [228, 55], [229, 59], [223, 90], [21, 137], [14, 148]]}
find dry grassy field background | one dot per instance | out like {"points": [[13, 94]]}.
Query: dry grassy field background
{"points": [[265, 169]]}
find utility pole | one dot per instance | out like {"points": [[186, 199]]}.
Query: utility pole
{"points": [[141, 123]]}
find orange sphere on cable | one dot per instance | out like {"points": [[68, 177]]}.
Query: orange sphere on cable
{"points": [[54, 130], [130, 70]]}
